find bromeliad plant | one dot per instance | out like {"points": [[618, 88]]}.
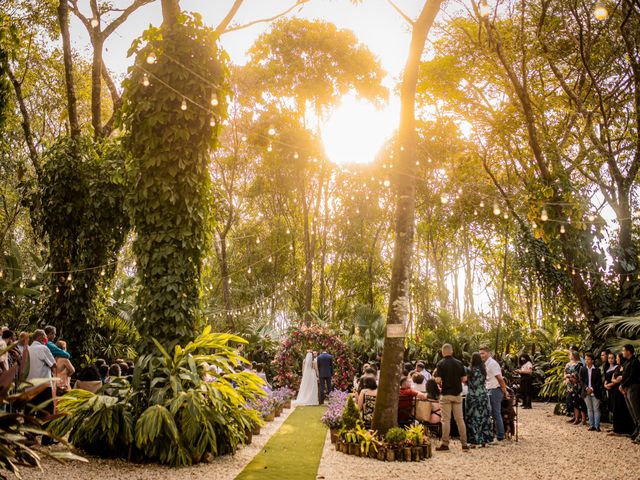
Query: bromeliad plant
{"points": [[169, 414]]}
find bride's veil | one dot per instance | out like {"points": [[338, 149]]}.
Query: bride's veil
{"points": [[308, 363]]}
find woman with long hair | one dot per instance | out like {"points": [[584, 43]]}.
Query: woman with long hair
{"points": [[622, 421], [526, 379], [478, 418], [575, 403]]}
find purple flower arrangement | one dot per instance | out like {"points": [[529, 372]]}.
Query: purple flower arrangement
{"points": [[264, 405], [332, 417], [282, 395]]}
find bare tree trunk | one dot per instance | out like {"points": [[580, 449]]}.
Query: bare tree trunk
{"points": [[63, 19], [501, 291], [386, 411]]}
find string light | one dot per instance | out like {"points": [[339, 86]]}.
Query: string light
{"points": [[600, 11], [145, 80], [444, 199], [183, 105], [269, 148], [481, 204], [151, 58], [591, 217], [244, 138], [562, 229], [296, 156], [212, 122], [271, 131], [386, 183], [214, 99], [496, 209], [95, 22], [544, 216]]}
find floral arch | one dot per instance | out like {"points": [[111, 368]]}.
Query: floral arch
{"points": [[288, 360]]}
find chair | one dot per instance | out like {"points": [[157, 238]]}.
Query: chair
{"points": [[406, 410]]}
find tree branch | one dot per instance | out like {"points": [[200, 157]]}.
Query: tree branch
{"points": [[400, 12], [222, 26], [299, 3], [26, 121]]}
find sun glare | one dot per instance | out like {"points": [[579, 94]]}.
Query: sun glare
{"points": [[356, 131]]}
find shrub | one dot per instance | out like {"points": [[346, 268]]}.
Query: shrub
{"points": [[395, 436], [350, 415], [169, 414], [332, 416]]}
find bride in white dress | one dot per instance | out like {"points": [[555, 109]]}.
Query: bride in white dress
{"points": [[308, 392]]}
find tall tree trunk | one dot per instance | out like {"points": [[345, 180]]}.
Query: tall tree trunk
{"points": [[308, 262], [96, 86], [503, 282], [170, 11], [385, 415], [63, 19]]}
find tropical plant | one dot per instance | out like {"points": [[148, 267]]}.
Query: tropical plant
{"points": [[620, 330], [415, 434], [370, 325], [554, 386], [180, 409], [16, 426], [368, 439]]}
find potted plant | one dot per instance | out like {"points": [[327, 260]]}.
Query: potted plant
{"points": [[382, 451], [332, 416], [395, 437], [415, 436], [351, 438], [368, 444]]}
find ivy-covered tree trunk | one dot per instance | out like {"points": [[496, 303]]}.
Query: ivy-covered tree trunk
{"points": [[385, 415], [171, 191]]}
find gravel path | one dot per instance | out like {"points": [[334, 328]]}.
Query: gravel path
{"points": [[222, 468], [549, 448]]}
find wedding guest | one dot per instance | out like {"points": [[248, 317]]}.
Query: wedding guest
{"points": [[41, 363], [369, 372], [114, 372], [630, 387], [605, 412], [23, 341], [367, 398], [622, 421], [608, 377], [451, 374], [418, 382], [575, 403], [526, 379], [51, 333], [4, 355], [64, 371], [405, 400], [89, 379], [433, 397], [478, 419], [420, 368], [591, 387], [497, 389]]}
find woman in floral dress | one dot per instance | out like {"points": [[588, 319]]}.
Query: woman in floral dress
{"points": [[478, 418]]}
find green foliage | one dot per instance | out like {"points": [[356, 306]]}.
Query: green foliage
{"points": [[395, 436], [171, 187], [16, 426], [554, 386], [415, 434], [350, 415], [78, 207], [620, 330], [169, 413]]}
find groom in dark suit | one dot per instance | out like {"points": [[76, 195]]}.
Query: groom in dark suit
{"points": [[325, 372]]}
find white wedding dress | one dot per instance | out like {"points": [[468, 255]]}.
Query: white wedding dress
{"points": [[308, 392]]}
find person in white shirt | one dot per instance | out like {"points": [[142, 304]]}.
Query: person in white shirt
{"points": [[497, 389], [41, 363]]}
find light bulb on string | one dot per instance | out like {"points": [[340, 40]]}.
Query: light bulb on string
{"points": [[145, 80], [542, 259], [95, 22], [249, 270], [481, 204], [496, 209], [214, 99], [183, 105], [544, 216], [33, 278], [151, 58], [288, 231], [475, 212], [573, 271], [296, 156], [387, 183], [534, 225], [102, 273], [212, 122], [444, 199], [562, 229], [526, 249], [271, 131], [244, 138], [505, 215], [269, 148], [69, 278], [258, 240], [600, 11], [417, 162], [485, 10], [591, 217]]}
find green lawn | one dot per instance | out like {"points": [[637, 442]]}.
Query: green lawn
{"points": [[293, 452]]}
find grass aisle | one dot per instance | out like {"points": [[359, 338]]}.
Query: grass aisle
{"points": [[293, 452]]}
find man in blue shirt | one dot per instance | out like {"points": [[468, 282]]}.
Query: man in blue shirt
{"points": [[56, 351]]}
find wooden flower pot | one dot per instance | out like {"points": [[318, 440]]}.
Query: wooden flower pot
{"points": [[382, 455], [287, 404], [407, 454], [271, 417], [426, 450], [256, 430], [353, 448], [391, 455], [334, 435], [416, 454]]}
